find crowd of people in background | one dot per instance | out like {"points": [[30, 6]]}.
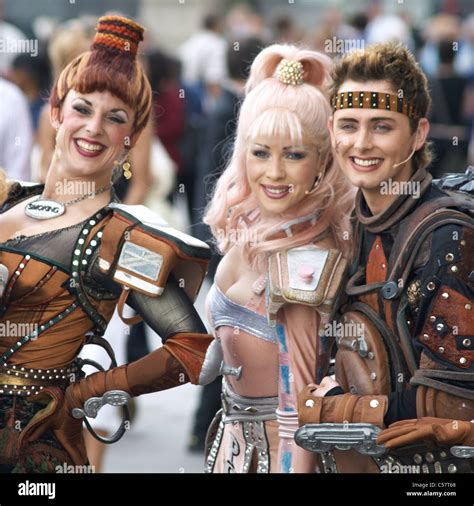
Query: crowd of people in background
{"points": [[197, 90]]}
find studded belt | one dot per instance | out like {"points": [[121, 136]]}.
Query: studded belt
{"points": [[421, 459], [18, 380], [236, 408]]}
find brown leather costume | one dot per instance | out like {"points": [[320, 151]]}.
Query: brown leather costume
{"points": [[415, 359], [55, 299]]}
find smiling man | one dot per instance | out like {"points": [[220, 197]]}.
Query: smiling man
{"points": [[410, 373]]}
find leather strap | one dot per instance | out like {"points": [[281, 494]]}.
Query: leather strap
{"points": [[121, 304]]}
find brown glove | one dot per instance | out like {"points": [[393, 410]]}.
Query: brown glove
{"points": [[441, 431], [346, 408]]}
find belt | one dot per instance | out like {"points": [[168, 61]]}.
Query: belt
{"points": [[19, 380], [236, 408], [422, 459]]}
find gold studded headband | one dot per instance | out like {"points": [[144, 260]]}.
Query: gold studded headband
{"points": [[290, 72], [374, 100]]}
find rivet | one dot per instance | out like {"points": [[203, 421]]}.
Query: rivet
{"points": [[454, 268], [468, 307], [373, 376], [429, 457], [466, 342], [27, 257], [22, 266], [449, 257], [443, 455], [309, 403], [383, 266], [452, 468], [85, 231], [432, 318], [371, 355], [81, 241], [431, 286], [408, 322], [374, 403], [426, 337], [439, 326], [77, 251], [462, 360], [463, 242], [441, 349], [445, 295]]}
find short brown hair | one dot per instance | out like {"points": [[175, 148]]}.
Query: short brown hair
{"points": [[393, 63]]}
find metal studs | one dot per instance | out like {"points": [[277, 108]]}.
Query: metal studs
{"points": [[441, 349], [426, 337], [443, 455], [432, 318], [449, 257], [454, 268], [462, 360], [463, 242], [417, 458], [468, 307], [429, 457], [440, 326], [431, 286], [374, 403], [371, 355], [384, 266], [309, 403], [445, 295], [452, 468], [373, 376], [466, 342]]}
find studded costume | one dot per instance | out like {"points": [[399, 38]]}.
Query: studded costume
{"points": [[56, 298], [411, 366]]}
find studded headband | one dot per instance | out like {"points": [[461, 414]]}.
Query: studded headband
{"points": [[374, 100]]}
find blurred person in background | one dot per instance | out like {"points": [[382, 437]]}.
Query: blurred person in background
{"points": [[16, 132], [33, 77], [218, 137], [203, 59], [449, 124], [8, 31]]}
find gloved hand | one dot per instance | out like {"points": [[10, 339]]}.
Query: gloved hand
{"points": [[442, 431]]}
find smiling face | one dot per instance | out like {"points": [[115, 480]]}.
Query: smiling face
{"points": [[279, 172], [93, 133], [372, 144]]}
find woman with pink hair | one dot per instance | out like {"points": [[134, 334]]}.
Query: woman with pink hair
{"points": [[279, 215]]}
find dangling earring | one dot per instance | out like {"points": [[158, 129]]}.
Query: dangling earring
{"points": [[127, 168]]}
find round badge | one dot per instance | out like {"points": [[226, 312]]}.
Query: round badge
{"points": [[44, 209]]}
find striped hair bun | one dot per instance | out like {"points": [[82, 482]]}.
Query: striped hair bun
{"points": [[118, 34]]}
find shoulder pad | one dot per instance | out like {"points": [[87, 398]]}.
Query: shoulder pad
{"points": [[140, 250], [305, 275]]}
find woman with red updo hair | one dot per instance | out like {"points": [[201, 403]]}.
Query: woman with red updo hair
{"points": [[70, 253]]}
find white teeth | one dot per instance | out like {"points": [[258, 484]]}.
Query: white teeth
{"points": [[89, 147], [366, 163], [276, 191]]}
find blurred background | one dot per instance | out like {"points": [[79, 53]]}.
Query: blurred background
{"points": [[197, 54]]}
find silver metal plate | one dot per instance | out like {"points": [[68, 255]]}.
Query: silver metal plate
{"points": [[140, 260], [315, 258]]}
